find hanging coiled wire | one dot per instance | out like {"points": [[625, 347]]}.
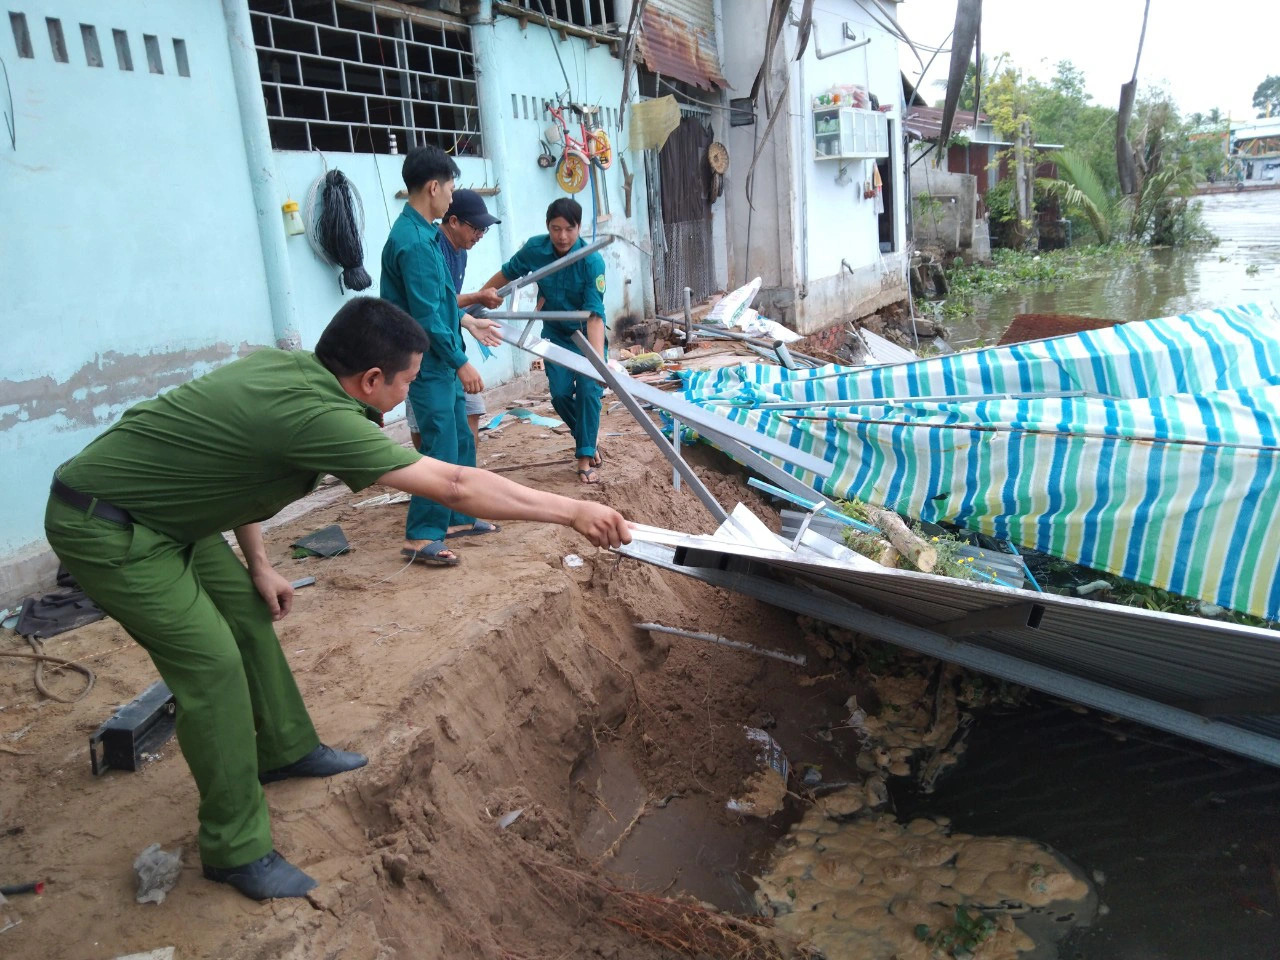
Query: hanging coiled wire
{"points": [[334, 215]]}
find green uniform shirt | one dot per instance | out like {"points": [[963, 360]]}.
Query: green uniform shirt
{"points": [[235, 446], [415, 279], [579, 286]]}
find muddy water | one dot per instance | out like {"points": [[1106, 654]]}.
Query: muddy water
{"points": [[1182, 841], [1171, 281]]}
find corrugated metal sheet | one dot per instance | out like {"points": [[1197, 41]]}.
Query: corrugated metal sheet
{"points": [[678, 40], [1214, 681]]}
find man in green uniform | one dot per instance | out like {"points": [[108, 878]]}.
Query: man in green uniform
{"points": [[138, 516], [415, 278], [579, 286]]}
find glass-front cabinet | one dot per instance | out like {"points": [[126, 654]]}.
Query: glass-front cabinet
{"points": [[849, 133]]}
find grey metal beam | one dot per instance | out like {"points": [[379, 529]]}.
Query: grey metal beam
{"points": [[573, 256], [735, 439], [554, 316], [843, 613], [633, 405], [992, 618]]}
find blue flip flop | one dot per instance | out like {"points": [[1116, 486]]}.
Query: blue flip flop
{"points": [[477, 528], [430, 554]]}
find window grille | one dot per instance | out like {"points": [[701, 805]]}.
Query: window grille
{"points": [[359, 77], [594, 15]]}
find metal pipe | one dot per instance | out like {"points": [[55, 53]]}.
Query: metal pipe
{"points": [[798, 659], [546, 316], [261, 164], [738, 441], [633, 405], [688, 318], [889, 401], [573, 256], [484, 44], [800, 501], [784, 355]]}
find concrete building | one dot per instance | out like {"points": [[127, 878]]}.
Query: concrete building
{"points": [[826, 248], [151, 145]]}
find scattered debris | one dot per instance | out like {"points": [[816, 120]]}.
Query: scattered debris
{"points": [[137, 728], [507, 819], [384, 499], [157, 873], [767, 787], [328, 541]]}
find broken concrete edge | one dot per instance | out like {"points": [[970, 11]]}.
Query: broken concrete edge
{"points": [[31, 571]]}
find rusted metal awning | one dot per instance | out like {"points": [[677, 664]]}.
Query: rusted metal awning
{"points": [[682, 47]]}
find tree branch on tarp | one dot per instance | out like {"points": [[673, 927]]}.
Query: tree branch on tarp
{"points": [[968, 18]]}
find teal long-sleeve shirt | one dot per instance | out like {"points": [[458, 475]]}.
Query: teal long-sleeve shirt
{"points": [[415, 279]]}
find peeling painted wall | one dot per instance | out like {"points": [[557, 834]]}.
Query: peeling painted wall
{"points": [[129, 255]]}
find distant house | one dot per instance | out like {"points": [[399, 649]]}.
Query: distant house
{"points": [[970, 166]]}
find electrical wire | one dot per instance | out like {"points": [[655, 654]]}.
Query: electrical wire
{"points": [[41, 658], [334, 216]]}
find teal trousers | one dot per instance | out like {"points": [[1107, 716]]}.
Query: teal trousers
{"points": [[440, 407], [576, 399], [194, 609]]}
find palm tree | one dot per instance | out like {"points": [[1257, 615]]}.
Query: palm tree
{"points": [[1080, 190]]}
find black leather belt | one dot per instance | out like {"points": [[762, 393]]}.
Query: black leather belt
{"points": [[90, 505]]}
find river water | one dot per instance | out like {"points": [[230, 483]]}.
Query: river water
{"points": [[1168, 282]]}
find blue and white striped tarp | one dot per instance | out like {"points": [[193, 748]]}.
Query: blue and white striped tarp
{"points": [[1149, 450]]}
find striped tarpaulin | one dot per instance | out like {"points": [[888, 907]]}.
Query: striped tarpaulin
{"points": [[1147, 450]]}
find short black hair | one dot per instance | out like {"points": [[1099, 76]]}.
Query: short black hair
{"points": [[370, 332], [424, 164], [568, 209]]}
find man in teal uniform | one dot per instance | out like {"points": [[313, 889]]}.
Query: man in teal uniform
{"points": [[579, 286], [415, 279], [138, 518]]}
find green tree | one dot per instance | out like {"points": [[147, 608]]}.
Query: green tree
{"points": [[1267, 97]]}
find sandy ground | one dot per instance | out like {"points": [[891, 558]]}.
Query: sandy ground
{"points": [[475, 690]]}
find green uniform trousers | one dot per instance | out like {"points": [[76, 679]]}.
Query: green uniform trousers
{"points": [[194, 609], [440, 407]]}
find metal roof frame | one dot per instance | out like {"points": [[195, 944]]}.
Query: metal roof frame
{"points": [[1210, 681]]}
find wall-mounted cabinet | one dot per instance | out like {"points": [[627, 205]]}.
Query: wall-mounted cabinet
{"points": [[849, 133]]}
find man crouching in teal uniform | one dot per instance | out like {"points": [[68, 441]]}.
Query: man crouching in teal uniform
{"points": [[416, 279], [138, 519], [579, 286]]}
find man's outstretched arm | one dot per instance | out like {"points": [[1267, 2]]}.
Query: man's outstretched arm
{"points": [[480, 493]]}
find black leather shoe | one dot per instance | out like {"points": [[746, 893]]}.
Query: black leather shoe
{"points": [[321, 762], [264, 878]]}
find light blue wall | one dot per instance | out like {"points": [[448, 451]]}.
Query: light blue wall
{"points": [[129, 256]]}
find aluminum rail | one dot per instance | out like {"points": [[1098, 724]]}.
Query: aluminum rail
{"points": [[734, 439], [546, 316], [633, 405], [892, 401], [834, 609], [573, 256]]}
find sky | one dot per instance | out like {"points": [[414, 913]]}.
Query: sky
{"points": [[1202, 60]]}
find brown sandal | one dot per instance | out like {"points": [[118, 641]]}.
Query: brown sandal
{"points": [[585, 476]]}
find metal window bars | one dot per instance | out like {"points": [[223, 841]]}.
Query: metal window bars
{"points": [[593, 15], [358, 76]]}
